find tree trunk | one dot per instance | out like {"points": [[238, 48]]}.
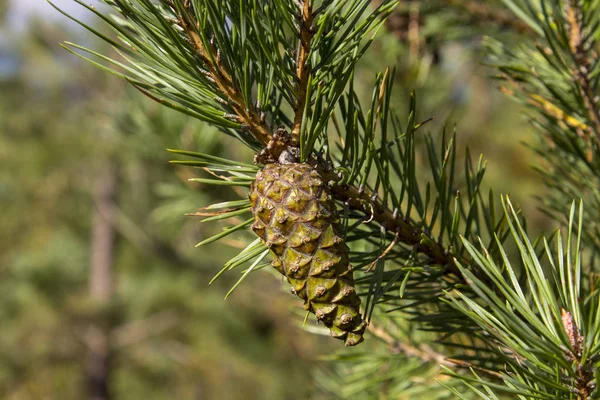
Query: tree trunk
{"points": [[101, 283]]}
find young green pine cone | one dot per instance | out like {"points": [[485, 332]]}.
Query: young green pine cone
{"points": [[296, 218]]}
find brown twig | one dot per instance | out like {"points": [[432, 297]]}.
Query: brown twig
{"points": [[357, 199], [583, 64], [421, 351], [385, 252], [246, 115], [584, 383], [406, 231], [302, 67], [425, 352]]}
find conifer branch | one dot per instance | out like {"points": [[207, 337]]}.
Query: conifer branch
{"points": [[356, 198], [198, 42], [303, 66], [422, 351], [407, 233], [512, 318], [246, 115], [584, 57], [584, 382], [542, 104]]}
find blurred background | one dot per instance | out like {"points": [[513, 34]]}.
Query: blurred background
{"points": [[99, 276]]}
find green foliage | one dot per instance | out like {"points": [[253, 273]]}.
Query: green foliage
{"points": [[254, 58], [544, 326], [426, 211], [444, 287], [557, 76], [367, 375], [55, 134]]}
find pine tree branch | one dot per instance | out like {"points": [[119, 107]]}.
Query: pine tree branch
{"points": [[303, 66], [545, 106], [583, 55], [585, 369], [225, 86], [407, 233], [245, 113], [356, 198], [422, 351]]}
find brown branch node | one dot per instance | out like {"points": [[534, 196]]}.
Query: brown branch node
{"points": [[584, 382]]}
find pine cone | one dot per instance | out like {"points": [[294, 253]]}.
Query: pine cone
{"points": [[296, 218]]}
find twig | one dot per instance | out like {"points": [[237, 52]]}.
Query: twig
{"points": [[422, 351], [303, 67], [407, 233], [222, 78], [425, 352], [583, 65], [584, 382], [357, 199], [385, 252]]}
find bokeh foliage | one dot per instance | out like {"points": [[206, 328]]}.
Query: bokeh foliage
{"points": [[57, 131], [247, 347]]}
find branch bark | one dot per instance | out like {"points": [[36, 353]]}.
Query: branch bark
{"points": [[584, 383], [407, 233], [357, 199], [421, 351], [246, 114], [303, 67], [584, 57]]}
